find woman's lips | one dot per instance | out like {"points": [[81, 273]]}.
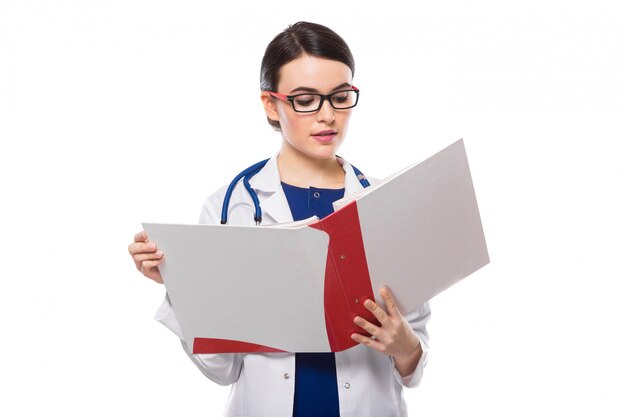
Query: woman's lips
{"points": [[325, 136]]}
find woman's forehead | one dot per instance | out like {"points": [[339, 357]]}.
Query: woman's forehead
{"points": [[313, 72]]}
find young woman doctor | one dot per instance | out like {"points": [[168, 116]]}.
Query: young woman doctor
{"points": [[308, 95]]}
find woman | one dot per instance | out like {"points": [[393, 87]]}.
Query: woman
{"points": [[308, 95]]}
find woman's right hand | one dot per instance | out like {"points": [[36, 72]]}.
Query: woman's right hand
{"points": [[146, 256]]}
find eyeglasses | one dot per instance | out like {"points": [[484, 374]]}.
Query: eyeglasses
{"points": [[311, 102]]}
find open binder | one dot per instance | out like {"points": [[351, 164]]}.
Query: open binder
{"points": [[297, 287]]}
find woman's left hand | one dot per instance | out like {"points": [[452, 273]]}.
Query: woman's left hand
{"points": [[394, 337]]}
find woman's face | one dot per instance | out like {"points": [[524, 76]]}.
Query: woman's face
{"points": [[301, 131]]}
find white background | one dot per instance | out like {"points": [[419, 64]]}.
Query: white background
{"points": [[118, 112]]}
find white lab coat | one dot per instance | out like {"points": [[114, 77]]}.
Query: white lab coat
{"points": [[263, 383]]}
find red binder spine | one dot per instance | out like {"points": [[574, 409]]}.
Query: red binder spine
{"points": [[347, 281]]}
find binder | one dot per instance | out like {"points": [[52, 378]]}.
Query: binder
{"points": [[297, 287]]}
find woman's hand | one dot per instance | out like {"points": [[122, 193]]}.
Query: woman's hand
{"points": [[146, 256], [394, 337]]}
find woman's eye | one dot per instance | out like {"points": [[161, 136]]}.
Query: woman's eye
{"points": [[340, 99], [303, 102]]}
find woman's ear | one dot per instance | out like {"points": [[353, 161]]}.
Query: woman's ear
{"points": [[269, 105]]}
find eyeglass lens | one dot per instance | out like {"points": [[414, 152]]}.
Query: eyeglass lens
{"points": [[311, 102]]}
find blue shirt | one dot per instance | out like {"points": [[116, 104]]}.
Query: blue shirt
{"points": [[316, 374]]}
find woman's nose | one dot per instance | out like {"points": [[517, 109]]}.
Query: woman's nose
{"points": [[326, 113]]}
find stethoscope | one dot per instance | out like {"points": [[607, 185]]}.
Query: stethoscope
{"points": [[249, 173]]}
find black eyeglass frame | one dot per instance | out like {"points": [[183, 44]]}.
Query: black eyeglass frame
{"points": [[323, 97]]}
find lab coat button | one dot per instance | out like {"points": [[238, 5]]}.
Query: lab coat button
{"points": [[286, 376], [346, 385]]}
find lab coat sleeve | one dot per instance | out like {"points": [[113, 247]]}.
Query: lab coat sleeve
{"points": [[223, 368], [418, 320]]}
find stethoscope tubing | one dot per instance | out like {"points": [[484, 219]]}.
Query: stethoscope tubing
{"points": [[249, 172]]}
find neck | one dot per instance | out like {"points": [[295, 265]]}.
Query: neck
{"points": [[301, 170]]}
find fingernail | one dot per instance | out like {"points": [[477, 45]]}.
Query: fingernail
{"points": [[159, 253], [151, 246]]}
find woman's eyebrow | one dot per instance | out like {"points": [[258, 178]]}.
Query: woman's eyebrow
{"points": [[313, 90]]}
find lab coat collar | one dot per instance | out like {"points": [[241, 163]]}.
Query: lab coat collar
{"points": [[272, 197]]}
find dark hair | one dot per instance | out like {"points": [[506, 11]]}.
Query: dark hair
{"points": [[298, 39]]}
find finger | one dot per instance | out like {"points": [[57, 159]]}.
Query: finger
{"points": [[367, 326], [141, 237], [368, 341], [378, 312], [390, 302], [140, 257], [146, 266], [141, 247]]}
